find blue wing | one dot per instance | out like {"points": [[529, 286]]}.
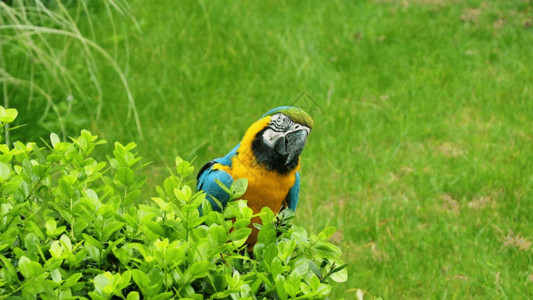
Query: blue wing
{"points": [[294, 192], [207, 180]]}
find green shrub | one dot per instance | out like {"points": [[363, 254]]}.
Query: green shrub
{"points": [[72, 227]]}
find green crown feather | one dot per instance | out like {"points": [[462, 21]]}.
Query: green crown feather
{"points": [[295, 113]]}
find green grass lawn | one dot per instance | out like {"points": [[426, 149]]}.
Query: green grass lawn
{"points": [[422, 151]]}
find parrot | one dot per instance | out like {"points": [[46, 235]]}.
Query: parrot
{"points": [[269, 157]]}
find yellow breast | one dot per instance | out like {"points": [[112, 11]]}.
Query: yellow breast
{"points": [[265, 188]]}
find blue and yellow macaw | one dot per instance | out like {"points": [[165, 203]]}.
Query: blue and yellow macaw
{"points": [[269, 157]]}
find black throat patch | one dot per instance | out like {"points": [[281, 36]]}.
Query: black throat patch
{"points": [[269, 158]]}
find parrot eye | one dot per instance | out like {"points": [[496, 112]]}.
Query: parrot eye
{"points": [[280, 122]]}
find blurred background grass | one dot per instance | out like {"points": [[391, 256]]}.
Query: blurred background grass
{"points": [[422, 149]]}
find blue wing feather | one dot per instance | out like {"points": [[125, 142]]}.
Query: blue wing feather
{"points": [[207, 180], [207, 183], [226, 160], [294, 192]]}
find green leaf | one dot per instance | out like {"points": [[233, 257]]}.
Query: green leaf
{"points": [[124, 280], [276, 267], [56, 249], [161, 203], [94, 252], [95, 296], [314, 283], [51, 264], [92, 196], [37, 230], [142, 280], [266, 215], [111, 228], [183, 194], [282, 294], [183, 167], [92, 241], [270, 253], [131, 197], [217, 233], [5, 171], [124, 254], [54, 139], [133, 296], [29, 269], [71, 281], [9, 267], [163, 296], [241, 223], [267, 234], [125, 175], [51, 226], [300, 267], [56, 275], [238, 187], [32, 242], [27, 168], [8, 115], [65, 241], [326, 250], [239, 234], [154, 227], [104, 283], [199, 269], [223, 187], [161, 245], [327, 232], [339, 274], [291, 289], [285, 250]]}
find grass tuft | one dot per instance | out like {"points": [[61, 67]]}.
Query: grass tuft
{"points": [[43, 49]]}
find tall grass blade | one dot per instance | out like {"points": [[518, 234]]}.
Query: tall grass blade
{"points": [[42, 37]]}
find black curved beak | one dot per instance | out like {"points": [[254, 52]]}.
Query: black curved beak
{"points": [[291, 145]]}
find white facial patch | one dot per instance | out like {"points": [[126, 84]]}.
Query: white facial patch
{"points": [[280, 122], [270, 136]]}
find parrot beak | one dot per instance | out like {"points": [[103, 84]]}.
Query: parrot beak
{"points": [[292, 144], [295, 144]]}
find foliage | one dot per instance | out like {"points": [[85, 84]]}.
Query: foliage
{"points": [[72, 227]]}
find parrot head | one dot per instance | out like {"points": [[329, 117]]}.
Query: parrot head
{"points": [[279, 144]]}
